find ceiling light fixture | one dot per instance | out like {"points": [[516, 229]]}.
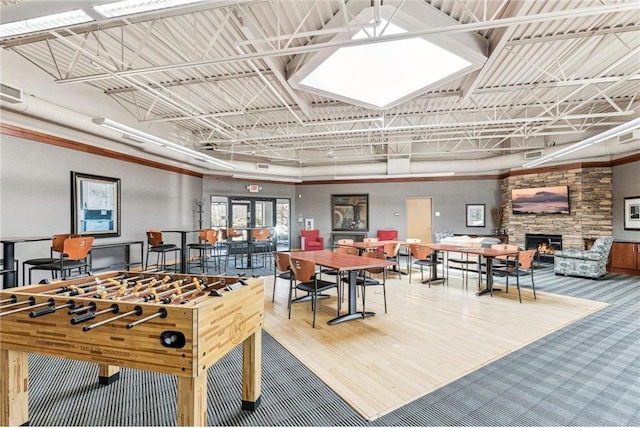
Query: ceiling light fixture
{"points": [[43, 23], [267, 178], [382, 176], [613, 132], [148, 138], [129, 7]]}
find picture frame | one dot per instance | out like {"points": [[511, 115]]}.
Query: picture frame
{"points": [[308, 224], [632, 213], [475, 215], [350, 212], [95, 205]]}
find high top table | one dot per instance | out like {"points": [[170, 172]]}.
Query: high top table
{"points": [[488, 253], [183, 245], [8, 256], [344, 262]]}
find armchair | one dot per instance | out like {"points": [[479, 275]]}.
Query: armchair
{"points": [[388, 235], [587, 263], [310, 240]]}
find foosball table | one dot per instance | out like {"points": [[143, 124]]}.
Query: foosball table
{"points": [[174, 324]]}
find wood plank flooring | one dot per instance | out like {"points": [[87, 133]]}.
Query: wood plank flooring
{"points": [[430, 337]]}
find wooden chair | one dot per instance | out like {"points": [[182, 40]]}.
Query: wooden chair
{"points": [[503, 260], [366, 280], [74, 255], [465, 263], [391, 253], [524, 266], [236, 246], [54, 254], [305, 272], [423, 257], [405, 252], [207, 248], [155, 244], [282, 269], [261, 245]]}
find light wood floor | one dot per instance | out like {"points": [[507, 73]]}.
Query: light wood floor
{"points": [[430, 337]]}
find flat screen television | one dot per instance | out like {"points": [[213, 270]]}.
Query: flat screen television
{"points": [[541, 200]]}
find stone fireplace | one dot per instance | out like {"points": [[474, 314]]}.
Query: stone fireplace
{"points": [[545, 244]]}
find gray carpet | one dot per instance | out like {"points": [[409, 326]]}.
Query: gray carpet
{"points": [[587, 374]]}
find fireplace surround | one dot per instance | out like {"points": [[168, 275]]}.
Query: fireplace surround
{"points": [[545, 244]]}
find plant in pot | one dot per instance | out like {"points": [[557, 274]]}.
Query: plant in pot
{"points": [[496, 215]]}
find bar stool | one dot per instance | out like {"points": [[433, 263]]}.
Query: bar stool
{"points": [[236, 247], [261, 245], [206, 247], [56, 247], [155, 244]]}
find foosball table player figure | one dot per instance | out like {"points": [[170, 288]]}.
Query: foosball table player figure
{"points": [[178, 325]]}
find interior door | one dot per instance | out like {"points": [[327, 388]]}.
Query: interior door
{"points": [[419, 219]]}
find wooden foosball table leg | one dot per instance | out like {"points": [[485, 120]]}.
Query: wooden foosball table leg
{"points": [[251, 370], [192, 400], [14, 384], [108, 374]]}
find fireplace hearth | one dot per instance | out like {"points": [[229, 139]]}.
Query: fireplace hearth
{"points": [[545, 244]]}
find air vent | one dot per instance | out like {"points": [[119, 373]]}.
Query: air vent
{"points": [[10, 94], [629, 137], [533, 155], [262, 166]]}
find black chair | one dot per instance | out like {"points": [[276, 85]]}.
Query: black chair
{"points": [[366, 280], [305, 272], [282, 270], [522, 266], [261, 246], [238, 246], [206, 248], [155, 244], [465, 264], [74, 255], [424, 258], [54, 254]]}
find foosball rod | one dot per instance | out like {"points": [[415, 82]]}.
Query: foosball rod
{"points": [[137, 310], [162, 313], [99, 293], [31, 300], [201, 289], [91, 315], [51, 309], [49, 302], [11, 299], [64, 288], [134, 289]]}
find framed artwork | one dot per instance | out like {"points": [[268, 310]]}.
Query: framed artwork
{"points": [[350, 212], [308, 224], [475, 215], [632, 213], [95, 205]]}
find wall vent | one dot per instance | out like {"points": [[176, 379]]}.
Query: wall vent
{"points": [[629, 137], [10, 94], [533, 155], [262, 166]]}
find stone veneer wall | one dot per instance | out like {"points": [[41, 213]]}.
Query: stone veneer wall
{"points": [[590, 206]]}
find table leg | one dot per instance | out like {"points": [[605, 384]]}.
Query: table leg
{"points": [[353, 313], [14, 384], [192, 400], [9, 278], [251, 371], [183, 252], [489, 289]]}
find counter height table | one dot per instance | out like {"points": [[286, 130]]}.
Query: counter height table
{"points": [[344, 262], [8, 256], [183, 245], [488, 253]]}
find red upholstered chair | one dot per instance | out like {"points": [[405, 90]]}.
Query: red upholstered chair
{"points": [[388, 235], [311, 240]]}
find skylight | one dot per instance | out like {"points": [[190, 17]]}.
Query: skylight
{"points": [[129, 7], [43, 23], [382, 73]]}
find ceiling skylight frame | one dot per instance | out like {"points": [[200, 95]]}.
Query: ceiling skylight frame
{"points": [[131, 7], [411, 17]]}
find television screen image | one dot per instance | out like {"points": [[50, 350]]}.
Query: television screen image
{"points": [[541, 200]]}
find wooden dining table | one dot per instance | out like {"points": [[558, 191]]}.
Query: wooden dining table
{"points": [[344, 263], [488, 253], [367, 245]]}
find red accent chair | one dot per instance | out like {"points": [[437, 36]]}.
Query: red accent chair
{"points": [[310, 240], [388, 235]]}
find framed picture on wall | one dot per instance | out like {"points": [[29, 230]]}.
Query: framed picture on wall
{"points": [[95, 205], [632, 213], [350, 212], [475, 215]]}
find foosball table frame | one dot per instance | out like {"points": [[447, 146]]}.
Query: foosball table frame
{"points": [[183, 336]]}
